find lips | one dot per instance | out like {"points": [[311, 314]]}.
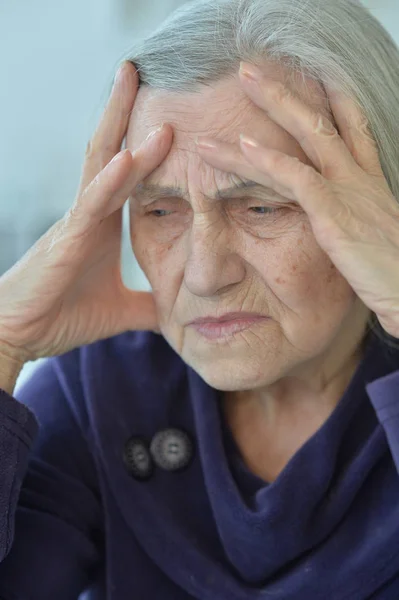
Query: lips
{"points": [[232, 316], [220, 331]]}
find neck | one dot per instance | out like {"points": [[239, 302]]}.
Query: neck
{"points": [[302, 399], [271, 424]]}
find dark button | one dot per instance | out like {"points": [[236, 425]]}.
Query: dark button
{"points": [[172, 449], [137, 458]]}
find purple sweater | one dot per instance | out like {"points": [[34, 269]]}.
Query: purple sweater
{"points": [[75, 515]]}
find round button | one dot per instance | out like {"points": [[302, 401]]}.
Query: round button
{"points": [[172, 449], [137, 458]]}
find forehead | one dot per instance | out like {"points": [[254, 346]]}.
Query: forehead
{"points": [[220, 109], [217, 109]]}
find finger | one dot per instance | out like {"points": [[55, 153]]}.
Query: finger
{"points": [[315, 133], [355, 130], [229, 158], [150, 154], [308, 187], [108, 137], [112, 186]]}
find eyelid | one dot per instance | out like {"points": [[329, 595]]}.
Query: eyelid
{"points": [[278, 202], [240, 201]]}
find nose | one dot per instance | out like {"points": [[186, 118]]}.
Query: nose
{"points": [[212, 259]]}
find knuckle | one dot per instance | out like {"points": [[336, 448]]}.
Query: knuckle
{"points": [[100, 153], [57, 234], [80, 201], [72, 213], [312, 177], [317, 123], [75, 221], [84, 202], [282, 94], [88, 189], [95, 183], [363, 125], [322, 126]]}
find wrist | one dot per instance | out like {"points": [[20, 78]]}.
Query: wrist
{"points": [[12, 354], [11, 365]]}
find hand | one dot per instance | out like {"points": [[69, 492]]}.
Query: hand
{"points": [[67, 290], [352, 211]]}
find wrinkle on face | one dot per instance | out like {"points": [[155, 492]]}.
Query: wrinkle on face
{"points": [[211, 112], [209, 262], [192, 114]]}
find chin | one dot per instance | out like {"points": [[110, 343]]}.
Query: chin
{"points": [[230, 375], [242, 364]]}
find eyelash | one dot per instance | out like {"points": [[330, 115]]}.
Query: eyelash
{"points": [[271, 211]]}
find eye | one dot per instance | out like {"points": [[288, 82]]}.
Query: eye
{"points": [[266, 210], [259, 210], [155, 213]]}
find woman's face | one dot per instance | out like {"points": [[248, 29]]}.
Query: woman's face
{"points": [[208, 254]]}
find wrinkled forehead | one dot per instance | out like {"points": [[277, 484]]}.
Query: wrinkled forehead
{"points": [[210, 111], [219, 109]]}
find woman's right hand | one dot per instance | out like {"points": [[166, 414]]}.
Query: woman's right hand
{"points": [[67, 290]]}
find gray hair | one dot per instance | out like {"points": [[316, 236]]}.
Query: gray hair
{"points": [[329, 41]]}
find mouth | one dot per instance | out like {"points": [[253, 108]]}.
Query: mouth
{"points": [[215, 330]]}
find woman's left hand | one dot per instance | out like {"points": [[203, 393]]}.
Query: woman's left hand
{"points": [[352, 211]]}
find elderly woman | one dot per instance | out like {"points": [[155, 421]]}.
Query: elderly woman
{"points": [[252, 449]]}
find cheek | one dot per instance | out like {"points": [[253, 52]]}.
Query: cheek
{"points": [[157, 261], [290, 265], [304, 279]]}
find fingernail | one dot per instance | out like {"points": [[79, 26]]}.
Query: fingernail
{"points": [[150, 135], [119, 156], [205, 143], [250, 71], [248, 141]]}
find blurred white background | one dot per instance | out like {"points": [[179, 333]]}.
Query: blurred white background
{"points": [[57, 60]]}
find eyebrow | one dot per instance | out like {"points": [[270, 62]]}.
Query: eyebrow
{"points": [[154, 191]]}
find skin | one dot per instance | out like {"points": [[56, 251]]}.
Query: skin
{"points": [[281, 378]]}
